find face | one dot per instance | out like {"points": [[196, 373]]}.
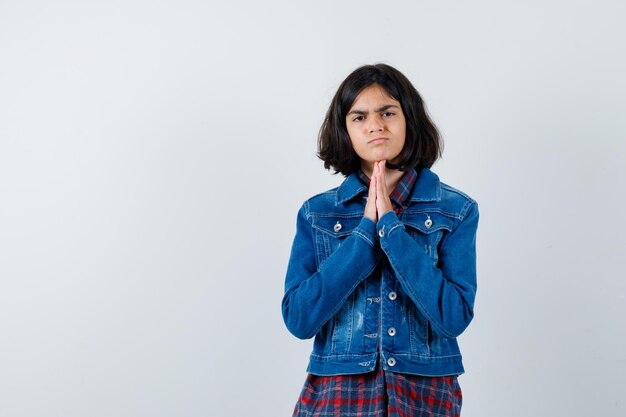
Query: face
{"points": [[376, 126]]}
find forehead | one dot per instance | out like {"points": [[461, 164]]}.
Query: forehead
{"points": [[374, 95]]}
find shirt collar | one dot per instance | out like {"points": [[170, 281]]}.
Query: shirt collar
{"points": [[425, 188]]}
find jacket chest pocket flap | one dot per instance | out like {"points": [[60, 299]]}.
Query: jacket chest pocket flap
{"points": [[428, 228], [331, 231]]}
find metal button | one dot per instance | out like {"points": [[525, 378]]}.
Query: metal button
{"points": [[337, 227], [381, 232], [391, 362], [428, 223], [391, 331], [393, 295]]}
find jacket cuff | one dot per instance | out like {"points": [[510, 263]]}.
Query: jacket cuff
{"points": [[366, 230], [388, 223]]}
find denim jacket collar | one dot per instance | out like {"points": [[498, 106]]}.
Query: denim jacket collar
{"points": [[426, 188], [350, 188]]}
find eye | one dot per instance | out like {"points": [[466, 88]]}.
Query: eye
{"points": [[358, 119], [388, 114]]}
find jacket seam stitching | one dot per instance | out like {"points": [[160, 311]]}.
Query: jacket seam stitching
{"points": [[358, 233]]}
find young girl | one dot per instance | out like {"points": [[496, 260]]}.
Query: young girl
{"points": [[383, 268]]}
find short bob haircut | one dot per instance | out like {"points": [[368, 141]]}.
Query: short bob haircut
{"points": [[422, 145]]}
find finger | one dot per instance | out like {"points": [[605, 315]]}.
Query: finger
{"points": [[372, 191], [379, 196], [383, 202], [383, 181], [381, 189], [370, 206], [377, 185]]}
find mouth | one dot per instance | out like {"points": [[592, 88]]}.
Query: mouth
{"points": [[377, 140]]}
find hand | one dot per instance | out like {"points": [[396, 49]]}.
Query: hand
{"points": [[378, 201], [383, 202], [370, 206]]}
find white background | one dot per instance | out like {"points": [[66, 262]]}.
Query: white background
{"points": [[153, 155]]}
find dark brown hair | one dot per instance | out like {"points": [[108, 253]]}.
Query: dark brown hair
{"points": [[422, 145]]}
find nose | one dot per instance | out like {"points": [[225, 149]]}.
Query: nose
{"points": [[375, 125]]}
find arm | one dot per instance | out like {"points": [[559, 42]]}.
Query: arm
{"points": [[444, 295], [313, 295]]}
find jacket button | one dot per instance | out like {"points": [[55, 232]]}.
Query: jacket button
{"points": [[391, 362], [337, 227], [381, 232], [428, 223], [391, 331], [393, 295]]}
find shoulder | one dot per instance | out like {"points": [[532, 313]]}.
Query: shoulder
{"points": [[459, 200], [319, 203], [328, 196], [342, 200], [448, 191], [430, 192]]}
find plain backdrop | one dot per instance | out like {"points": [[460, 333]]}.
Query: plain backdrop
{"points": [[153, 155]]}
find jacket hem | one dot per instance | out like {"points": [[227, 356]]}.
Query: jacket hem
{"points": [[402, 363]]}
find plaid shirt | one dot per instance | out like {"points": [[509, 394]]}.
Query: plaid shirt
{"points": [[399, 194], [379, 394]]}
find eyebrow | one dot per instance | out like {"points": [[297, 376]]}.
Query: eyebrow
{"points": [[383, 108]]}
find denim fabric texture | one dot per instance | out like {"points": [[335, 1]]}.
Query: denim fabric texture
{"points": [[398, 291]]}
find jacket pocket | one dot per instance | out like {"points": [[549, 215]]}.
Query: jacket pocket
{"points": [[331, 231], [343, 323], [418, 332], [428, 228]]}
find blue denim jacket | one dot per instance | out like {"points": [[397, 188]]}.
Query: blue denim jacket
{"points": [[400, 290]]}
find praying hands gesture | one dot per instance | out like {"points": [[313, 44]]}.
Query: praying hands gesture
{"points": [[378, 201]]}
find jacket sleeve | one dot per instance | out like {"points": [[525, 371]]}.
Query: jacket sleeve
{"points": [[445, 293], [313, 295]]}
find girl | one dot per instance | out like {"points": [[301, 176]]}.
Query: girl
{"points": [[383, 268]]}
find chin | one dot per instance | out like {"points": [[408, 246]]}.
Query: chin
{"points": [[378, 157]]}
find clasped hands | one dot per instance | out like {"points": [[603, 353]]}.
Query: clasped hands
{"points": [[378, 201]]}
